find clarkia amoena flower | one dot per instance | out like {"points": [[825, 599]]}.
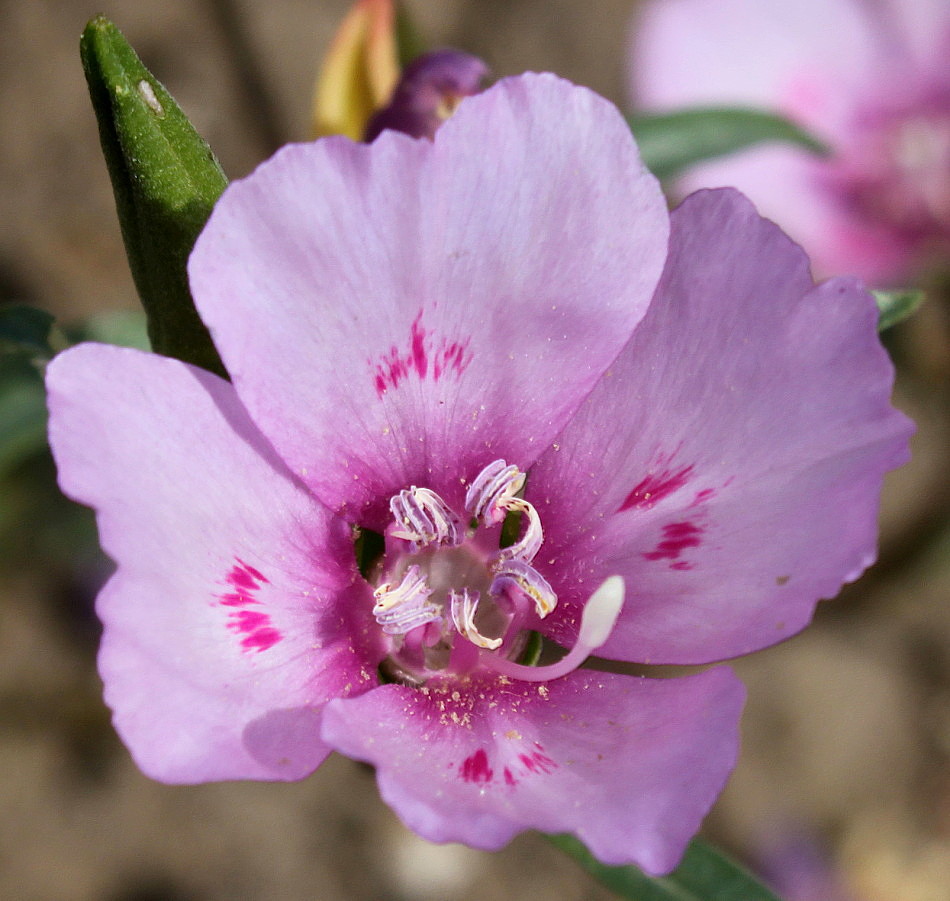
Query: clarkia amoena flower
{"points": [[435, 341], [870, 77]]}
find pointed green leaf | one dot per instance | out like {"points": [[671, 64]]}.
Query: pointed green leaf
{"points": [[672, 142], [896, 306], [165, 180], [705, 874]]}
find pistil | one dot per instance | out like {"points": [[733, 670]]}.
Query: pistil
{"points": [[597, 621]]}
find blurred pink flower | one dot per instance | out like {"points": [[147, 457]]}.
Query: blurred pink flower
{"points": [[870, 77], [399, 320]]}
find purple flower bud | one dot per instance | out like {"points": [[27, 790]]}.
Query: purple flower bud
{"points": [[428, 92]]}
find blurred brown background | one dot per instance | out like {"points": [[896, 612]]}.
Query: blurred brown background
{"points": [[844, 775]]}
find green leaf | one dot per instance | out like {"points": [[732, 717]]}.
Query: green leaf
{"points": [[22, 419], [27, 336], [125, 328], [672, 142], [165, 180], [896, 306], [705, 874], [27, 332]]}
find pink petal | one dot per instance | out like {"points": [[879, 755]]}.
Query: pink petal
{"points": [[405, 312], [729, 465], [223, 628], [629, 765], [924, 28], [804, 58], [790, 187]]}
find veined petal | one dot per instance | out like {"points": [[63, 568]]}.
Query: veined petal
{"points": [[630, 766], [401, 313], [226, 622], [729, 464]]}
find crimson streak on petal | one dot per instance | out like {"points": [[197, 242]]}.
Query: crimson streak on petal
{"points": [[256, 627], [423, 356], [677, 536], [475, 768], [654, 487]]}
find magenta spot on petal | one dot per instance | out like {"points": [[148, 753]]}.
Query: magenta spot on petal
{"points": [[252, 572], [237, 599], [536, 762], [247, 621], [681, 564], [261, 639], [654, 487], [677, 536], [509, 778], [475, 768], [259, 634], [244, 577], [245, 580], [703, 496], [417, 337], [451, 356], [255, 627], [445, 356]]}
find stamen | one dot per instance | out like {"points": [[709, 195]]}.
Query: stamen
{"points": [[406, 606], [527, 547], [520, 576], [597, 622], [490, 495], [423, 518], [463, 607]]}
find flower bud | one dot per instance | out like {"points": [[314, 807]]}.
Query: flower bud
{"points": [[428, 92], [359, 72]]}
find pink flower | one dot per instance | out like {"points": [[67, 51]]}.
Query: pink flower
{"points": [[411, 327], [870, 78]]}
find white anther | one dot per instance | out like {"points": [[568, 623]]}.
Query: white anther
{"points": [[423, 518], [463, 605], [527, 547], [491, 494], [401, 608], [520, 576]]}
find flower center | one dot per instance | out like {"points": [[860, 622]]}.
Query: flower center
{"points": [[455, 596], [896, 172]]}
